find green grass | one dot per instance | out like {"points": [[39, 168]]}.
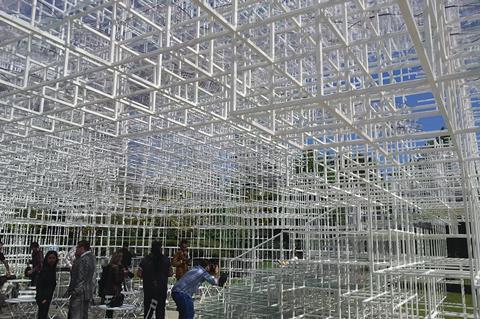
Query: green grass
{"points": [[267, 264], [453, 303], [456, 297]]}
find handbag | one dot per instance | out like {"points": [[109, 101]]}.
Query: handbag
{"points": [[116, 301]]}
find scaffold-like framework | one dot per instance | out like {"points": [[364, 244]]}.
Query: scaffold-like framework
{"points": [[289, 139]]}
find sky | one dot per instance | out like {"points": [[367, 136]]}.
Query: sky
{"points": [[433, 123]]}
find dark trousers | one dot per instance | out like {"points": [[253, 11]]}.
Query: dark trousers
{"points": [[43, 310], [161, 297], [34, 278]]}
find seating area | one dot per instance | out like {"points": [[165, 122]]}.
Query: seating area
{"points": [[325, 154], [22, 304]]}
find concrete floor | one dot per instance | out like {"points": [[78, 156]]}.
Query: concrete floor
{"points": [[5, 314], [7, 310], [171, 314]]}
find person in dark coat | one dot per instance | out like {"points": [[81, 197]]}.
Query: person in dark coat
{"points": [[46, 282], [155, 269], [126, 257], [3, 260], [37, 262], [113, 279]]}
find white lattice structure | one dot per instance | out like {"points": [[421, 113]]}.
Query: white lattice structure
{"points": [[255, 129]]}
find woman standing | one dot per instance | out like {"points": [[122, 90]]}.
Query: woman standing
{"points": [[113, 279], [46, 282]]}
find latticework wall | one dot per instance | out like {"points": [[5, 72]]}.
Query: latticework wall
{"points": [[257, 130]]}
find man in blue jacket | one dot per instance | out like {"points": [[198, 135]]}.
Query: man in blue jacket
{"points": [[185, 288]]}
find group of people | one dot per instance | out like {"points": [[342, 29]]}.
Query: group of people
{"points": [[42, 273], [35, 264], [154, 269]]}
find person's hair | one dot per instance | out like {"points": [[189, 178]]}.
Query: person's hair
{"points": [[156, 255], [45, 260], [125, 245], [34, 245], [183, 242], [204, 263], [116, 258], [156, 248], [85, 244]]}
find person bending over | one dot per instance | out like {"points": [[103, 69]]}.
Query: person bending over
{"points": [[185, 288]]}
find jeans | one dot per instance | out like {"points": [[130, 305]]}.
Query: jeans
{"points": [[184, 305]]}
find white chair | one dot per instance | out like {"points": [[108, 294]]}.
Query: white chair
{"points": [[61, 306], [153, 307]]}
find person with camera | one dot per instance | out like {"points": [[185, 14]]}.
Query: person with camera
{"points": [[181, 260], [185, 288]]}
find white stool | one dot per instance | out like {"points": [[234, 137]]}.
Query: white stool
{"points": [[153, 307], [108, 298]]}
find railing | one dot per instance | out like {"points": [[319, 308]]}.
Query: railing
{"points": [[269, 254], [265, 256]]}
